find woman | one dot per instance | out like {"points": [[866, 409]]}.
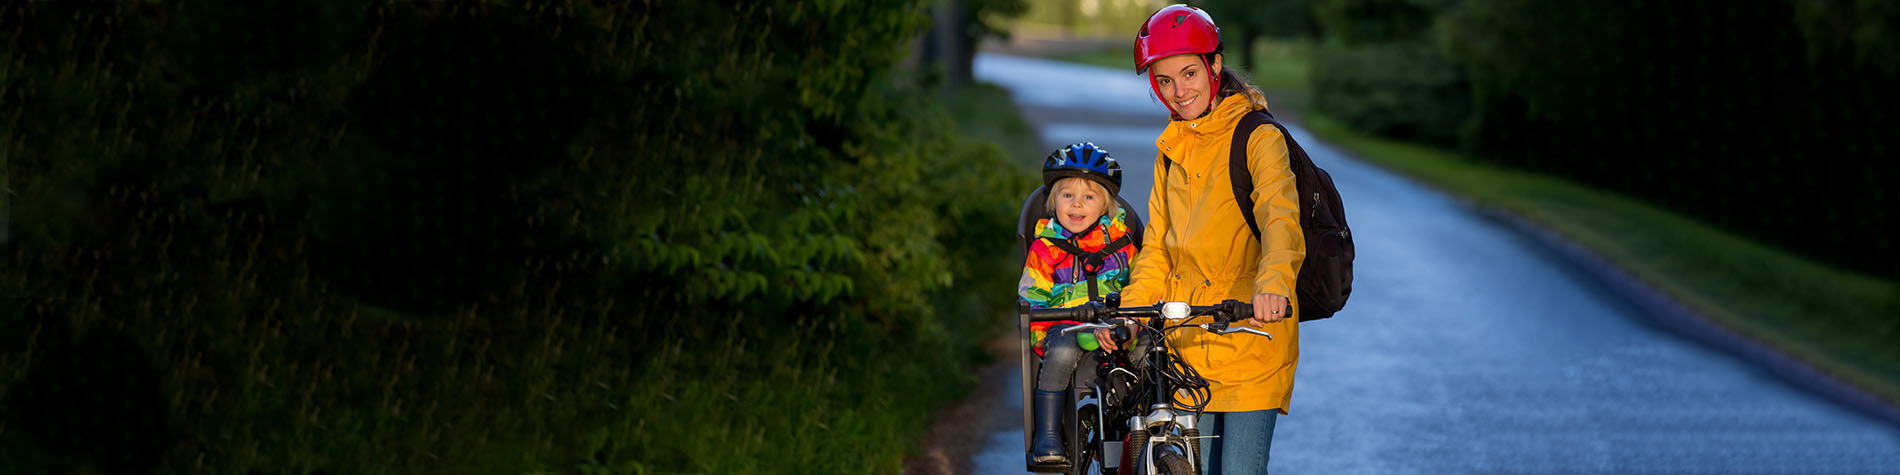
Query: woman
{"points": [[1198, 248]]}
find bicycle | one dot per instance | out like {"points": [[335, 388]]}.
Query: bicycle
{"points": [[1143, 386]]}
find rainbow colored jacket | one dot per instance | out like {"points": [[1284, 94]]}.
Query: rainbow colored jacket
{"points": [[1052, 277]]}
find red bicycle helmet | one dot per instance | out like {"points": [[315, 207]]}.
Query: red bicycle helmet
{"points": [[1176, 29]]}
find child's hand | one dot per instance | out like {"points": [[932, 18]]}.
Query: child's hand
{"points": [[1106, 339]]}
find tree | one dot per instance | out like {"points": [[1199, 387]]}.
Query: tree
{"points": [[956, 27], [1243, 22]]}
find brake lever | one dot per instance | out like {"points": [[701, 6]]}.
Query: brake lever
{"points": [[1110, 325], [1085, 326], [1223, 329]]}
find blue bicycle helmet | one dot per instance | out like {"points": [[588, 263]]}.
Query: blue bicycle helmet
{"points": [[1083, 160]]}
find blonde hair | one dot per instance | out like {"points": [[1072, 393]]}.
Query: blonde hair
{"points": [[1114, 205]]}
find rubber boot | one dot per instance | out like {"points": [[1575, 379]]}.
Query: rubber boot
{"points": [[1046, 442]]}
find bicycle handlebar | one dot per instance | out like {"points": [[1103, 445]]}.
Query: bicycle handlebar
{"points": [[1095, 315], [1225, 312]]}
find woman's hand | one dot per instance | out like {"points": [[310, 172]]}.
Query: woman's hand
{"points": [[1106, 339], [1268, 308]]}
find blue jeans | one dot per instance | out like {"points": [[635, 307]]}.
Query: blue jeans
{"points": [[1060, 356], [1245, 438]]}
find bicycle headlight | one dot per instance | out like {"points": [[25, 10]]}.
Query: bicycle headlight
{"points": [[1175, 310]]}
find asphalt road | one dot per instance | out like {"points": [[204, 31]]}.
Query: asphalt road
{"points": [[1469, 347]]}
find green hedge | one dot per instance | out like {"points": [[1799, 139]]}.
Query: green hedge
{"points": [[1766, 118], [1404, 90], [1761, 117], [1378, 71], [382, 237]]}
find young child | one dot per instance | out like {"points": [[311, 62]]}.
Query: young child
{"points": [[1081, 253]]}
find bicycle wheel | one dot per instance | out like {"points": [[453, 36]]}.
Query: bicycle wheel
{"points": [[1173, 463]]}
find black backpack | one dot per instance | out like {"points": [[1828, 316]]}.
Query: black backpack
{"points": [[1325, 279]]}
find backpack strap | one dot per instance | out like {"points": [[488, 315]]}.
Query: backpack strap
{"points": [[1237, 170]]}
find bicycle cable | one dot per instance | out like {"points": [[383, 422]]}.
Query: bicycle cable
{"points": [[1183, 376]]}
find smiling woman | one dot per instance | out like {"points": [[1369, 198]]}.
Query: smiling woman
{"points": [[1206, 252], [1181, 72]]}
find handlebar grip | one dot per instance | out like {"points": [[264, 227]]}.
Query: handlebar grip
{"points": [[1242, 310], [1082, 313]]}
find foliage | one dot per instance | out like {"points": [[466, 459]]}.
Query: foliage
{"points": [[372, 237], [1363, 22], [1735, 113], [1378, 72], [989, 14], [1099, 18], [1276, 19], [1404, 90], [1864, 33]]}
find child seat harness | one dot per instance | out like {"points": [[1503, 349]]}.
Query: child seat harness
{"points": [[1090, 262]]}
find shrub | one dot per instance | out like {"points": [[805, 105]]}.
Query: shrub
{"points": [[1738, 113], [1404, 90], [495, 237]]}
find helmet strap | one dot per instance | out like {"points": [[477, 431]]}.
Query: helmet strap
{"points": [[1156, 87], [1213, 81]]}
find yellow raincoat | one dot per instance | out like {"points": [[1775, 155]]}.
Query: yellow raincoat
{"points": [[1197, 249]]}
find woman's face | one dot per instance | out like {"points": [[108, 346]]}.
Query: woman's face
{"points": [[1182, 81], [1078, 205]]}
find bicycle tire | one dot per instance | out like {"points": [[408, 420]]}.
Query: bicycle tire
{"points": [[1173, 463]]}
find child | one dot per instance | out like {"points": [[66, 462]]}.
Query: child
{"points": [[1081, 253]]}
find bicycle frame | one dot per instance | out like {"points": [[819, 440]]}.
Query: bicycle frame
{"points": [[1153, 422]]}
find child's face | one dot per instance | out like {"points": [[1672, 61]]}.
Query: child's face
{"points": [[1079, 205]]}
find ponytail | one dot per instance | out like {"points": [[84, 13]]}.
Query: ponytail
{"points": [[1231, 82]]}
